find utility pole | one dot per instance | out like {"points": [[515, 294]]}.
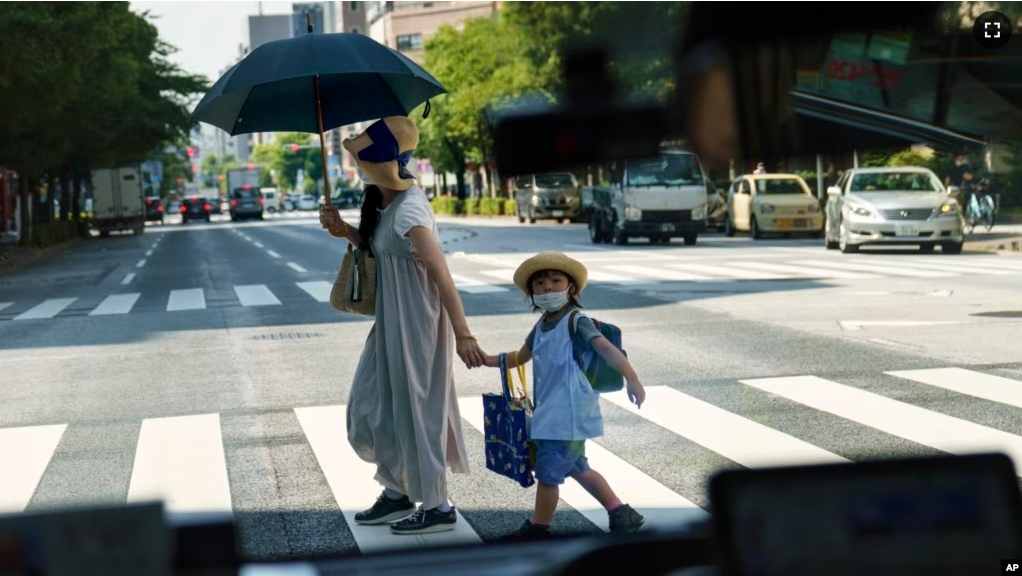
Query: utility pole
{"points": [[260, 8]]}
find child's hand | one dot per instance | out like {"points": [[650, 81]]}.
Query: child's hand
{"points": [[492, 361], [636, 393]]}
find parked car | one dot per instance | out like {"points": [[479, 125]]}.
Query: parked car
{"points": [[195, 208], [893, 207], [246, 202], [772, 204], [154, 209]]}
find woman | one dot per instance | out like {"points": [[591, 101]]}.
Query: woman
{"points": [[403, 410]]}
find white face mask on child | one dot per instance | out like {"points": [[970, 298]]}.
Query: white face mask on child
{"points": [[551, 302]]}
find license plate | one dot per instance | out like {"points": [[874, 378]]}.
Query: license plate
{"points": [[784, 224], [905, 230], [558, 213], [667, 227]]}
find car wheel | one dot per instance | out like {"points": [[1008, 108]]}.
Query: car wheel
{"points": [[729, 228], [754, 229], [952, 247], [843, 243]]}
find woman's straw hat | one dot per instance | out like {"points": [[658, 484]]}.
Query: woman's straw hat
{"points": [[551, 261], [384, 150]]}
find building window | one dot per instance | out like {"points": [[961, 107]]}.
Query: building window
{"points": [[353, 6], [409, 42], [354, 30]]}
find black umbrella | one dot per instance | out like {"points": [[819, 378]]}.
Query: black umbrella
{"points": [[314, 83]]}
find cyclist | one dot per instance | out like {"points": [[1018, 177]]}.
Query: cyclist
{"points": [[961, 176]]}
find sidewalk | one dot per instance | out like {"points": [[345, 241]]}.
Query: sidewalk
{"points": [[12, 257], [1003, 238]]}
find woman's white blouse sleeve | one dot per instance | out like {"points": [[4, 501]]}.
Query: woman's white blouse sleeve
{"points": [[415, 211]]}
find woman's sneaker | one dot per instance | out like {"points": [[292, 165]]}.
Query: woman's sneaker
{"points": [[529, 531], [624, 518], [426, 522], [385, 511]]}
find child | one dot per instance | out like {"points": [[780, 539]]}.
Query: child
{"points": [[567, 409]]}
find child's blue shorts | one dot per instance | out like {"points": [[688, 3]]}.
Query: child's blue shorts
{"points": [[559, 459]]}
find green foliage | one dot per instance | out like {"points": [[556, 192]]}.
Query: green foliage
{"points": [[285, 164], [85, 85]]}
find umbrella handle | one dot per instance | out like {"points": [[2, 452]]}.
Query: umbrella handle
{"points": [[322, 143]]}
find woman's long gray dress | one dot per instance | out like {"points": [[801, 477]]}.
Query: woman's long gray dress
{"points": [[403, 409]]}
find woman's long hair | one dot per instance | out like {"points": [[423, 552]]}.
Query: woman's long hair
{"points": [[372, 201]]}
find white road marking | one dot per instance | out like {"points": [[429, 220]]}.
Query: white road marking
{"points": [[893, 271], [738, 439], [180, 460], [804, 271], [297, 268], [853, 325], [977, 384], [24, 455], [648, 272], [5, 305], [258, 245], [140, 263], [256, 295], [727, 271], [351, 482], [319, 290], [115, 304], [188, 299], [950, 267], [47, 309], [128, 278], [474, 286], [273, 254], [939, 431], [661, 506]]}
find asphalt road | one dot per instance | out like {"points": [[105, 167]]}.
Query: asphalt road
{"points": [[201, 364]]}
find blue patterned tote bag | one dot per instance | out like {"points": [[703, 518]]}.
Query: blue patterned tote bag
{"points": [[506, 420]]}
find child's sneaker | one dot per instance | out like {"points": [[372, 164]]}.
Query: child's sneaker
{"points": [[624, 518], [529, 531]]}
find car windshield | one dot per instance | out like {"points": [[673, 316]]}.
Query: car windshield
{"points": [[894, 182], [665, 170], [243, 193], [559, 180], [780, 186]]}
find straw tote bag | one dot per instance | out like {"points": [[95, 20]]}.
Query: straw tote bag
{"points": [[354, 289]]}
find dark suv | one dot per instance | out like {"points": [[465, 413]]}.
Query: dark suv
{"points": [[246, 202], [154, 209], [195, 208]]}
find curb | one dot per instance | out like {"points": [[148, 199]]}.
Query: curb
{"points": [[9, 264], [1003, 245]]}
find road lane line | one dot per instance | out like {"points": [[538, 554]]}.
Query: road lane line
{"points": [[47, 309], [258, 244], [648, 272], [939, 431], [128, 278], [738, 439], [986, 386], [116, 304], [877, 269], [256, 295], [474, 286], [181, 460], [661, 507], [297, 268], [140, 263], [24, 455], [351, 482], [319, 290], [188, 299], [805, 271], [148, 252], [273, 254]]}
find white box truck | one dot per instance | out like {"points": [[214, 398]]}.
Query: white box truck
{"points": [[118, 200]]}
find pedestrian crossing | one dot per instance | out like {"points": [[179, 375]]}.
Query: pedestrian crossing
{"points": [[181, 459], [494, 273], [482, 278]]}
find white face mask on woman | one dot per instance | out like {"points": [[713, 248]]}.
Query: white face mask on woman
{"points": [[552, 301]]}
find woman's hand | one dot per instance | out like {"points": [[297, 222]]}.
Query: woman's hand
{"points": [[470, 353], [330, 217]]}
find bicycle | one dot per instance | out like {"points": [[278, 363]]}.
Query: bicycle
{"points": [[981, 208]]}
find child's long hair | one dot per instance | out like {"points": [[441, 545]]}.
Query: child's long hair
{"points": [[572, 299], [372, 201]]}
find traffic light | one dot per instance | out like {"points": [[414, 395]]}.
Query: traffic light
{"points": [[295, 147], [195, 168], [191, 152], [251, 166], [180, 180]]}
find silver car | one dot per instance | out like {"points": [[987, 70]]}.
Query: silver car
{"points": [[892, 207]]}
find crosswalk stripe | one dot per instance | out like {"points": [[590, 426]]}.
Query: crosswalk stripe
{"points": [[319, 290], [878, 269], [188, 299], [907, 421], [805, 271], [662, 507], [24, 455], [5, 305], [47, 309], [960, 268], [726, 271], [505, 275], [1002, 263], [115, 304], [256, 295], [985, 386], [351, 482], [475, 286], [181, 461], [648, 272], [743, 441]]}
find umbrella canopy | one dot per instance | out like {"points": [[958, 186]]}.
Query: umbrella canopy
{"points": [[272, 89]]}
